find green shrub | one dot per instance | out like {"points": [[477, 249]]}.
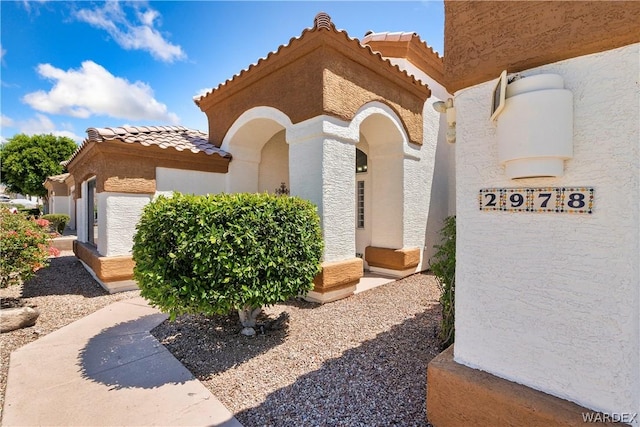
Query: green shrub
{"points": [[58, 221], [219, 253], [24, 247], [443, 266]]}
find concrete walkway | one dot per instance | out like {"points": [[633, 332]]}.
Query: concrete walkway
{"points": [[106, 370]]}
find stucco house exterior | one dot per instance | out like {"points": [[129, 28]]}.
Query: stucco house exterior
{"points": [[60, 189], [547, 298], [345, 123]]}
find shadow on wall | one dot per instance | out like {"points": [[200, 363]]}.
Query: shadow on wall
{"points": [[65, 275], [385, 376], [128, 356]]}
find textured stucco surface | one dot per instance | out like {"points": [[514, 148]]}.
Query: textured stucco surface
{"points": [[336, 74], [482, 38], [321, 167], [189, 182], [435, 169], [119, 214], [551, 300]]}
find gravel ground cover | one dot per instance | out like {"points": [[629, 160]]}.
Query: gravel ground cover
{"points": [[360, 361], [63, 293]]}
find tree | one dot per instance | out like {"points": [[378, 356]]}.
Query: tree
{"points": [[219, 253], [28, 160]]}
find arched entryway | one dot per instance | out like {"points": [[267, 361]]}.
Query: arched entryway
{"points": [[382, 139], [260, 152]]}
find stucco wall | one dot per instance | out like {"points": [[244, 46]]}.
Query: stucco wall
{"points": [[118, 214], [435, 196], [551, 300], [188, 181], [274, 164], [59, 205], [482, 38], [321, 163]]}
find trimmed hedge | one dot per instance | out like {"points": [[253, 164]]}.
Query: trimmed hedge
{"points": [[218, 253], [58, 221]]}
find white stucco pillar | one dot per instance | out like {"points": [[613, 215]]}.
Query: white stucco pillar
{"points": [[551, 300], [321, 168], [118, 215]]}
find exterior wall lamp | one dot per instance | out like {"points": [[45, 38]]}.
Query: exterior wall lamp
{"points": [[534, 121], [448, 108]]}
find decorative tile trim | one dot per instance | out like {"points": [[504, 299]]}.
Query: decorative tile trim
{"points": [[576, 200]]}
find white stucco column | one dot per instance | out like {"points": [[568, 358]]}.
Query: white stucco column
{"points": [[551, 300], [118, 215], [321, 168]]}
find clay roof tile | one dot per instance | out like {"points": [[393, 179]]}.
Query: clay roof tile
{"points": [[177, 137], [322, 22]]}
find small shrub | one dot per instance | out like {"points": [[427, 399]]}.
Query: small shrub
{"points": [[219, 253], [443, 266], [24, 247], [58, 221]]}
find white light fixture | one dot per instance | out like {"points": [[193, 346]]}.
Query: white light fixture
{"points": [[534, 129], [448, 108]]}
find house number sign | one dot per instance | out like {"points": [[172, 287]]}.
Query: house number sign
{"points": [[578, 200]]}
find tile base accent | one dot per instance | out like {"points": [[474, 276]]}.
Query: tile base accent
{"points": [[392, 259], [458, 395], [336, 280], [106, 269], [330, 296]]}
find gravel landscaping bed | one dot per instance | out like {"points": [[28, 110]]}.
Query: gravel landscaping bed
{"points": [[360, 361], [63, 293]]}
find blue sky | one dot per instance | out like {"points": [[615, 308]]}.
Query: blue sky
{"points": [[67, 66]]}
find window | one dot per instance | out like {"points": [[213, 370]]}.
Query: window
{"points": [[361, 161], [360, 204]]}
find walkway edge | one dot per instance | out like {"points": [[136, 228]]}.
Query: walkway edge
{"points": [[107, 369]]}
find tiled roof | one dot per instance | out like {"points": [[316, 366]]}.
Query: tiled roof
{"points": [[58, 178], [396, 37], [390, 37], [176, 137], [322, 22]]}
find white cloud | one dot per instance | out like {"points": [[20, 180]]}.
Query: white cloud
{"points": [[6, 121], [140, 35], [2, 52], [28, 3], [201, 93], [92, 90], [42, 124]]}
